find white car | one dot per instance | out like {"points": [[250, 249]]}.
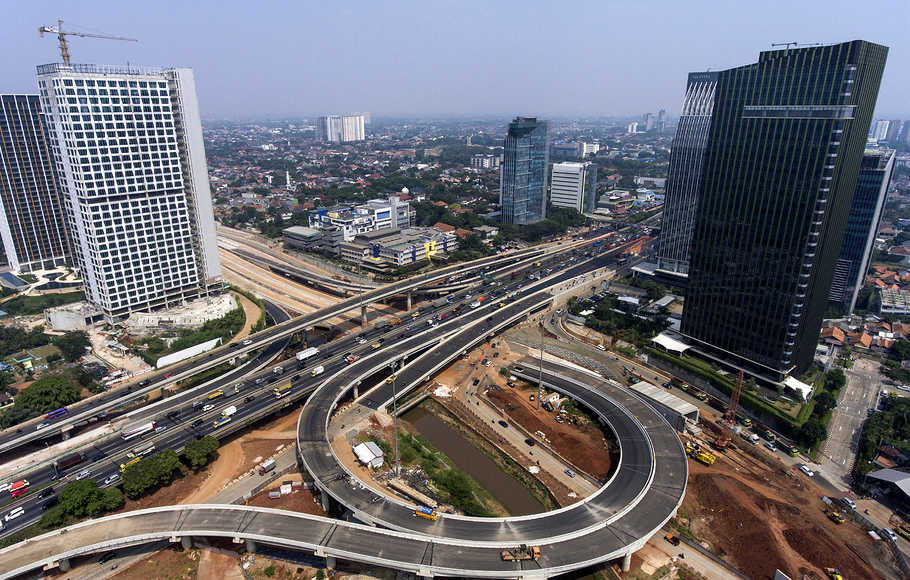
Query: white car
{"points": [[207, 408], [805, 469], [474, 305], [849, 502], [601, 347], [14, 513], [770, 446], [887, 531], [41, 426], [111, 479], [247, 342], [83, 474]]}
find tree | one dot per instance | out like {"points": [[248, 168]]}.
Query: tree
{"points": [[46, 394], [901, 349], [150, 473], [82, 499], [824, 402], [835, 380], [812, 432], [199, 452], [73, 344]]}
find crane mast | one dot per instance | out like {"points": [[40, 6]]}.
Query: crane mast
{"points": [[62, 34]]}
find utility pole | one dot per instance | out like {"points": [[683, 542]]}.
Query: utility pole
{"points": [[540, 373], [394, 377]]}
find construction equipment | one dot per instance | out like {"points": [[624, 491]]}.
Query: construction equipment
{"points": [[672, 539], [522, 552], [833, 574], [62, 34], [837, 517], [726, 431], [695, 451]]}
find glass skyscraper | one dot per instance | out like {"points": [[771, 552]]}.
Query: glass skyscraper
{"points": [[31, 212], [859, 237], [523, 194], [770, 177]]}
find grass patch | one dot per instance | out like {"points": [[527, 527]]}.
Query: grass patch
{"points": [[27, 305]]}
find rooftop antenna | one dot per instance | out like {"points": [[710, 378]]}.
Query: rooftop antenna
{"points": [[62, 34]]}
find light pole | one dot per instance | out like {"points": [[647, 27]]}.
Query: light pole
{"points": [[394, 378], [540, 373]]}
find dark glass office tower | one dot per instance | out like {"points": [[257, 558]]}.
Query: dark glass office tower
{"points": [[862, 224], [524, 171], [776, 182], [31, 212]]}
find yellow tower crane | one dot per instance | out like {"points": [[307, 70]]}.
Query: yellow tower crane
{"points": [[62, 34]]}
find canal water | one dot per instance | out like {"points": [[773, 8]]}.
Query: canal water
{"points": [[506, 489]]}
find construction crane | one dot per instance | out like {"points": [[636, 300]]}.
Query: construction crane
{"points": [[62, 34], [729, 423], [794, 44]]}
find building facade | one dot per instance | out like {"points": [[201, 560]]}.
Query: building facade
{"points": [[340, 128], [776, 180], [523, 183], [343, 223], [486, 161], [859, 237], [385, 250], [131, 166], [574, 185], [32, 223]]}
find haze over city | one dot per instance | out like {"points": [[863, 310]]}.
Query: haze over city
{"points": [[448, 59]]}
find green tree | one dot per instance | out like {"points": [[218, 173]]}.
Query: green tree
{"points": [[73, 344], [199, 452], [150, 473], [46, 394], [901, 349], [812, 432], [835, 379], [824, 402]]}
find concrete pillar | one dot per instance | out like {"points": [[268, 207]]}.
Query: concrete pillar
{"points": [[324, 500], [65, 433], [627, 562], [64, 564], [250, 546], [356, 391], [363, 316], [409, 300], [187, 542], [330, 562]]}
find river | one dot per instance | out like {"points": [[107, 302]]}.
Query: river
{"points": [[507, 490]]}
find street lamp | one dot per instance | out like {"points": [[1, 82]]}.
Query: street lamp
{"points": [[392, 379], [540, 374]]}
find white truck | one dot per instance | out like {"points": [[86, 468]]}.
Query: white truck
{"points": [[318, 371], [266, 466], [305, 354], [229, 411]]}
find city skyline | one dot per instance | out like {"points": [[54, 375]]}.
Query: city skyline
{"points": [[434, 60]]}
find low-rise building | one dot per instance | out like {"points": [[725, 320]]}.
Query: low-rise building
{"points": [[343, 223], [894, 301], [302, 237], [385, 250]]}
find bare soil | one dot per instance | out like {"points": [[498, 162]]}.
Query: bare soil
{"points": [[216, 564], [762, 517], [583, 445], [251, 313], [172, 563], [301, 501]]}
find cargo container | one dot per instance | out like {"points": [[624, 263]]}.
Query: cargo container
{"points": [[267, 466], [70, 461]]}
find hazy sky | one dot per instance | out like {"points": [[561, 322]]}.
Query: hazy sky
{"points": [[261, 58]]}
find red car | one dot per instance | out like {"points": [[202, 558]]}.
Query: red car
{"points": [[350, 359]]}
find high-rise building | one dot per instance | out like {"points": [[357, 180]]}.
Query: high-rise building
{"points": [[865, 216], [132, 172], [573, 185], [632, 128], [661, 121], [340, 128], [523, 184], [880, 130], [31, 213], [772, 181]]}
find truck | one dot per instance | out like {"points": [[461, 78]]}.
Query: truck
{"points": [[70, 461], [266, 466], [215, 394], [138, 430], [701, 455], [750, 437], [440, 303], [426, 513], [768, 435], [394, 321], [305, 354], [220, 421], [679, 383], [229, 411], [318, 371], [522, 552], [132, 461], [282, 391]]}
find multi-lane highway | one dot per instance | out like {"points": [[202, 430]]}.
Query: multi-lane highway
{"points": [[643, 493]]}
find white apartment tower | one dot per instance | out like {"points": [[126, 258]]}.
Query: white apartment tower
{"points": [[133, 176], [573, 185], [340, 128]]}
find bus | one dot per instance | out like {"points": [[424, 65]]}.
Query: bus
{"points": [[20, 485], [425, 512], [57, 413], [138, 430], [220, 421], [215, 394], [132, 461], [788, 448], [282, 391]]}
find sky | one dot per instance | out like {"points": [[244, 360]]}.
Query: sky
{"points": [[561, 59]]}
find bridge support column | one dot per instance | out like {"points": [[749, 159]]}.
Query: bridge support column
{"points": [[330, 562], [324, 500], [356, 391], [410, 300], [424, 573], [627, 562], [64, 564], [187, 542], [250, 546], [65, 433], [363, 316]]}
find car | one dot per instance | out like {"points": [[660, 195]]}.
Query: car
{"points": [[476, 382], [49, 503], [570, 473], [41, 426], [375, 345], [601, 347], [247, 342], [111, 479], [45, 492], [849, 502], [488, 363], [887, 531], [197, 404], [14, 513], [770, 446], [234, 344], [503, 423], [107, 558], [517, 369], [83, 474], [249, 399], [207, 408], [530, 442], [198, 422], [667, 386], [160, 428], [485, 361], [173, 414], [805, 469]]}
